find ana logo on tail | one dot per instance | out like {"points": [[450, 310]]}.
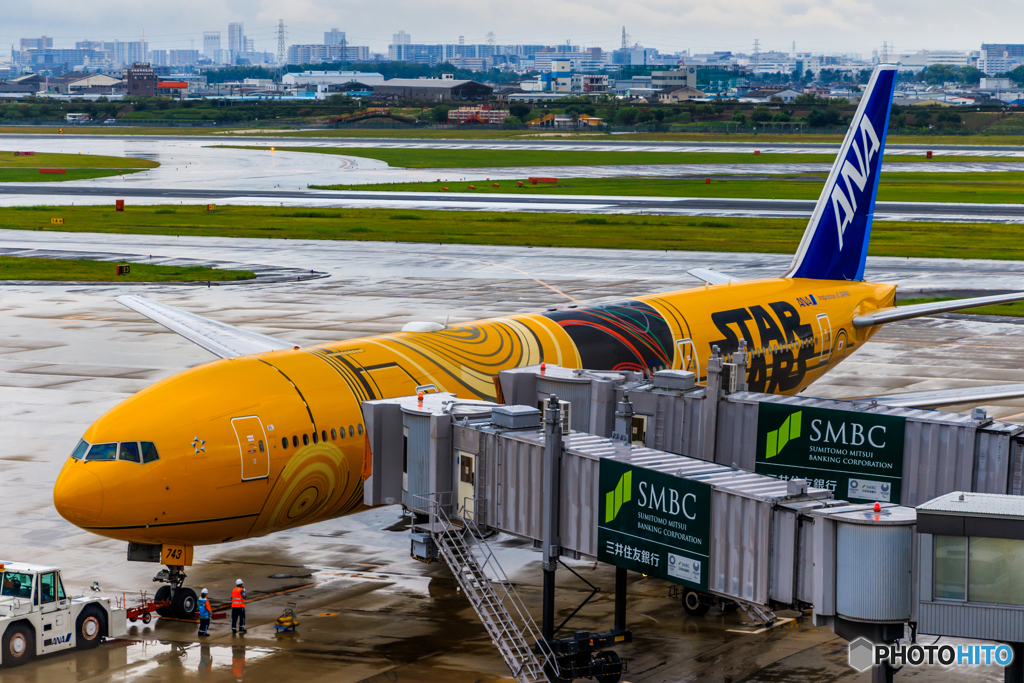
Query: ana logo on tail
{"points": [[778, 439], [845, 203], [614, 499]]}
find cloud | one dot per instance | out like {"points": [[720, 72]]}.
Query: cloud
{"points": [[670, 25]]}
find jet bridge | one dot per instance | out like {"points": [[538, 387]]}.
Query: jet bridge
{"points": [[861, 451], [719, 533]]}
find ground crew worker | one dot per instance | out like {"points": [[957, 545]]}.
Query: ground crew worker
{"points": [[205, 612], [238, 607]]}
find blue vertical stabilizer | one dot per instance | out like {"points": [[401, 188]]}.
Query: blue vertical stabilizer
{"points": [[835, 245]]}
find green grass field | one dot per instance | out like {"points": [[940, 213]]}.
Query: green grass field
{"points": [[995, 188], [1015, 309], [959, 240], [21, 268], [25, 169], [487, 158]]}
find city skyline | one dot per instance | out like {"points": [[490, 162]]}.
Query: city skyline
{"points": [[844, 26]]}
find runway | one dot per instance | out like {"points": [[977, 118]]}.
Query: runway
{"points": [[545, 141], [69, 352], [47, 195]]}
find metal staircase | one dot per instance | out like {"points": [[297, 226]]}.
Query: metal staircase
{"points": [[489, 590]]}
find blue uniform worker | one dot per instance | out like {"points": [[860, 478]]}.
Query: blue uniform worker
{"points": [[205, 612]]}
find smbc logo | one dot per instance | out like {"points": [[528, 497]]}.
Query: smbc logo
{"points": [[614, 499], [778, 439]]}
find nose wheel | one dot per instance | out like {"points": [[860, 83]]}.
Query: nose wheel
{"points": [[176, 600]]}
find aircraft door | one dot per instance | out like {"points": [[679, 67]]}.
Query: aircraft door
{"points": [[689, 360], [467, 483], [252, 442], [825, 333]]}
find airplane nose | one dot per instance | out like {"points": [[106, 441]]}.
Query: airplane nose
{"points": [[78, 495]]}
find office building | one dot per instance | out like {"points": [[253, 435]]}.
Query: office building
{"points": [[401, 38], [334, 37], [140, 80], [211, 44], [236, 37]]}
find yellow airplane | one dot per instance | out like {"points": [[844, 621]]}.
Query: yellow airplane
{"points": [[270, 437]]}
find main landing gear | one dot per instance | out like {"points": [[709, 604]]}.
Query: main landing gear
{"points": [[176, 600]]}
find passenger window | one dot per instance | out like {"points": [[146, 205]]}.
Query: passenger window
{"points": [[351, 430], [47, 588], [343, 432], [334, 434], [102, 451], [305, 439], [360, 427], [149, 453], [261, 445], [314, 437], [284, 442], [80, 449], [129, 451], [323, 436], [295, 441]]}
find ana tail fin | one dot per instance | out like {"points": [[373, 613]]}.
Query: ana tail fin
{"points": [[835, 245]]}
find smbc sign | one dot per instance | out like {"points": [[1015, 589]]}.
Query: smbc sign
{"points": [[857, 455], [654, 523]]}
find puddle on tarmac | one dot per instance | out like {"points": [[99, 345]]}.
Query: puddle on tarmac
{"points": [[149, 655]]}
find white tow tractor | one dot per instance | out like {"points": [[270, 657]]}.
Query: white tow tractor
{"points": [[38, 617]]}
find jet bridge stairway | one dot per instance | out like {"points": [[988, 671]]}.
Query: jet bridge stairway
{"points": [[489, 590]]}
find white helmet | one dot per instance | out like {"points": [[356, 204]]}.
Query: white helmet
{"points": [[203, 592], [238, 583]]}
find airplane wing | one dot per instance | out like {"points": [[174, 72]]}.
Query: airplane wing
{"points": [[940, 397], [889, 315], [712, 277], [220, 339]]}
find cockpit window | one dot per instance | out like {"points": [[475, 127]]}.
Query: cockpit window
{"points": [[149, 453], [129, 451], [102, 451], [80, 449]]}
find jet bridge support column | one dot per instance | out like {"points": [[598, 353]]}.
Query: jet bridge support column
{"points": [[551, 483]]}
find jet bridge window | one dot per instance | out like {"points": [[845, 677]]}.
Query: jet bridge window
{"points": [[149, 453], [129, 451], [80, 450], [102, 451]]}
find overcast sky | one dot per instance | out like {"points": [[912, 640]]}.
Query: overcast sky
{"points": [[857, 26]]}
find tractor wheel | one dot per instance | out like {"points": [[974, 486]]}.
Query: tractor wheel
{"points": [[90, 627], [19, 645]]}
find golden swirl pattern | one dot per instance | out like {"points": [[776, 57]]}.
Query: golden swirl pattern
{"points": [[312, 484]]}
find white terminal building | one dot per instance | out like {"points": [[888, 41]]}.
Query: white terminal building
{"points": [[332, 78]]}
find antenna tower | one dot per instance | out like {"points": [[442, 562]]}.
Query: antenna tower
{"points": [[492, 39], [625, 39], [885, 52], [280, 42], [757, 54]]}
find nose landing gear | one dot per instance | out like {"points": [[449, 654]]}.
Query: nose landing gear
{"points": [[181, 602]]}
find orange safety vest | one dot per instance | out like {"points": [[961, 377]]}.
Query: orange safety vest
{"points": [[238, 597]]}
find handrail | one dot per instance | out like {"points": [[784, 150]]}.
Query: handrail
{"points": [[489, 566]]}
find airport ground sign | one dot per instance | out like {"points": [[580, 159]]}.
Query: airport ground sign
{"points": [[858, 456], [654, 523]]}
